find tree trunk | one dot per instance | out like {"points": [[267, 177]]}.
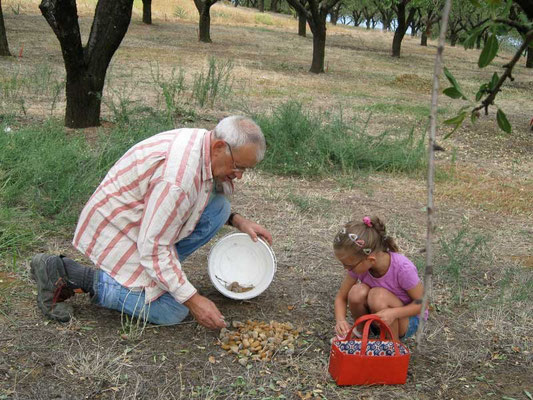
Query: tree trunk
{"points": [[274, 6], [86, 67], [261, 6], [403, 23], [4, 47], [205, 25], [302, 24], [319, 46], [424, 39], [147, 12], [529, 59], [425, 33], [453, 39]]}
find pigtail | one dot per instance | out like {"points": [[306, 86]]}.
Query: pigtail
{"points": [[387, 241]]}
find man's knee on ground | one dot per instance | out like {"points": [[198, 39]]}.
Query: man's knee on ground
{"points": [[167, 318]]}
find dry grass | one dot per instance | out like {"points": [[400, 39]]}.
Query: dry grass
{"points": [[480, 348]]}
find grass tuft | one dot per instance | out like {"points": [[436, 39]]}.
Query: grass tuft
{"points": [[214, 84], [306, 144]]}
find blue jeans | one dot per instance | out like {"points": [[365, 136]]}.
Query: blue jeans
{"points": [[412, 327], [165, 310]]}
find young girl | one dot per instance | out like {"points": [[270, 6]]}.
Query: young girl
{"points": [[379, 280]]}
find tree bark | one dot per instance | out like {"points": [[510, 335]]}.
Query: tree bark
{"points": [[453, 39], [204, 24], [147, 12], [204, 34], [274, 5], [302, 24], [428, 274], [403, 23], [4, 47], [86, 67], [529, 59], [319, 47], [424, 38], [261, 6], [316, 12]]}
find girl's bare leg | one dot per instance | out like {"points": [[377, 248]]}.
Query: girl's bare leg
{"points": [[380, 299], [357, 300]]}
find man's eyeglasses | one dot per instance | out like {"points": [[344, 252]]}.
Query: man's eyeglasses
{"points": [[235, 168]]}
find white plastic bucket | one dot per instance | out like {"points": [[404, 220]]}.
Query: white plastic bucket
{"points": [[237, 258]]}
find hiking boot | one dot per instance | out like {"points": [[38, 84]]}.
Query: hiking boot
{"points": [[49, 273]]}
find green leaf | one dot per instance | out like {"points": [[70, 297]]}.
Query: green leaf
{"points": [[474, 117], [481, 92], [453, 93], [470, 41], [475, 3], [489, 51], [503, 122], [451, 78], [456, 121], [494, 81], [528, 395]]}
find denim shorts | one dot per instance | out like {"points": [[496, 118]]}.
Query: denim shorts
{"points": [[412, 327]]}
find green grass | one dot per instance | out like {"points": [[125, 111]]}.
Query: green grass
{"points": [[306, 144], [463, 253], [47, 173], [213, 84]]}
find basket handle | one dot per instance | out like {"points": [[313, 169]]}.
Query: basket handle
{"points": [[384, 329]]}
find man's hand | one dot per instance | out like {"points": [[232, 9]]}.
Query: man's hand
{"points": [[251, 228], [205, 312]]}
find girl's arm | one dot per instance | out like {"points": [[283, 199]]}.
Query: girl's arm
{"points": [[341, 301]]}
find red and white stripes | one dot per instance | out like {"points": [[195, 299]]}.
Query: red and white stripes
{"points": [[151, 198]]}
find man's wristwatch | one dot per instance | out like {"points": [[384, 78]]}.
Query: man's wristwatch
{"points": [[230, 219]]}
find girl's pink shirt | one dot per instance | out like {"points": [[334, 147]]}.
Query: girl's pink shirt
{"points": [[401, 277]]}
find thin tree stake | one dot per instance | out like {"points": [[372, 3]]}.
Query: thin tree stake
{"points": [[431, 170]]}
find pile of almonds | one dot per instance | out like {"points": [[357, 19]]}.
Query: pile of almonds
{"points": [[258, 341]]}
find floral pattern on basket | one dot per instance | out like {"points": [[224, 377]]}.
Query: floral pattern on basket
{"points": [[373, 348]]}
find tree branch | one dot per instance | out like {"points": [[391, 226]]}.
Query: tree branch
{"points": [[62, 16], [519, 27], [489, 100]]}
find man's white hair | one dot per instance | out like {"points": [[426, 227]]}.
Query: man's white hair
{"points": [[238, 131]]}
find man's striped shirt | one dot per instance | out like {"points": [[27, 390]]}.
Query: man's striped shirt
{"points": [[150, 199]]}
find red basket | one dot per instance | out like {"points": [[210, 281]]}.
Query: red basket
{"points": [[369, 361]]}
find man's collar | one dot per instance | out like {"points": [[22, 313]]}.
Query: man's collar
{"points": [[207, 172]]}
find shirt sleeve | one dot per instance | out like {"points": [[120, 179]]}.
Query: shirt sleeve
{"points": [[166, 207], [407, 275]]}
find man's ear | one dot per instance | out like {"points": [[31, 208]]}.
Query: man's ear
{"points": [[218, 145]]}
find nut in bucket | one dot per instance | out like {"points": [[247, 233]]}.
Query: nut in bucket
{"points": [[240, 268]]}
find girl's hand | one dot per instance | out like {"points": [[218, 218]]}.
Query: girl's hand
{"points": [[387, 315], [342, 328]]}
